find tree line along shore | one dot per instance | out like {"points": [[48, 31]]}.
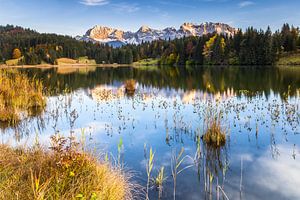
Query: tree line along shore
{"points": [[19, 46]]}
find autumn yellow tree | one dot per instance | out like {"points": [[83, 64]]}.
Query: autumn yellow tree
{"points": [[207, 50], [214, 50], [16, 53]]}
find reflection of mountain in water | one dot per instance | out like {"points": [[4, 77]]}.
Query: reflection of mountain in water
{"points": [[104, 93], [213, 80]]}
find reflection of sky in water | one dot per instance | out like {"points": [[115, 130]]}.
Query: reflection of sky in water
{"points": [[263, 131], [281, 174]]}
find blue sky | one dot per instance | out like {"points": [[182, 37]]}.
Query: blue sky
{"points": [[74, 17]]}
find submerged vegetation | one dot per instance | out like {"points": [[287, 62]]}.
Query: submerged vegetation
{"points": [[20, 96], [63, 172]]}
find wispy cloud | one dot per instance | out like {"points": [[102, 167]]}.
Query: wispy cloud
{"points": [[94, 2], [125, 7], [176, 4], [246, 3]]}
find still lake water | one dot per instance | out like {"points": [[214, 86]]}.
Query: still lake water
{"points": [[260, 112]]}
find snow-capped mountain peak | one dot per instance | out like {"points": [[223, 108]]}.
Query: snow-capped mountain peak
{"points": [[104, 34], [144, 29]]}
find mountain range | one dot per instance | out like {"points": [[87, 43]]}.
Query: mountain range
{"points": [[116, 37]]}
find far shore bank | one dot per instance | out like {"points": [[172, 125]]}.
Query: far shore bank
{"points": [[48, 66], [64, 66]]}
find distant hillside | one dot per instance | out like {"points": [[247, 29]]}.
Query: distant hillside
{"points": [[37, 47]]}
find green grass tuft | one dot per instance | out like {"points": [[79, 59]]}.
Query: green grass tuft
{"points": [[86, 60], [293, 59], [149, 61]]}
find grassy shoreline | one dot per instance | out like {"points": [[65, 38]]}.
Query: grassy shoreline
{"points": [[64, 171], [64, 65], [289, 59], [286, 60], [20, 96]]}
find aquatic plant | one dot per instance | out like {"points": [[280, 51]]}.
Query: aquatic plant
{"points": [[130, 87], [223, 192], [62, 172], [176, 168], [159, 180], [214, 135], [149, 167], [120, 151]]}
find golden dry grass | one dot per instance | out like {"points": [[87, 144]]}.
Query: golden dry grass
{"points": [[64, 172], [65, 61], [19, 95], [130, 87], [14, 62], [214, 135]]}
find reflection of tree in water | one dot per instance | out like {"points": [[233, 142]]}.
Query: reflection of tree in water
{"points": [[260, 80], [171, 106]]}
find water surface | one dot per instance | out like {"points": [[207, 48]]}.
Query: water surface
{"points": [[167, 112]]}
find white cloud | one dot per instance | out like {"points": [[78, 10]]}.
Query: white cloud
{"points": [[94, 2], [280, 176], [245, 4], [124, 7]]}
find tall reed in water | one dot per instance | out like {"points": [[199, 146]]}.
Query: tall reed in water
{"points": [[159, 180], [214, 135], [149, 167], [176, 169]]}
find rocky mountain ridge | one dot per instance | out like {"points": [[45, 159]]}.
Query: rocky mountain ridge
{"points": [[104, 34]]}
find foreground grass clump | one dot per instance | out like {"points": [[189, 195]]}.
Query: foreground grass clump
{"points": [[64, 172], [214, 135], [19, 96]]}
